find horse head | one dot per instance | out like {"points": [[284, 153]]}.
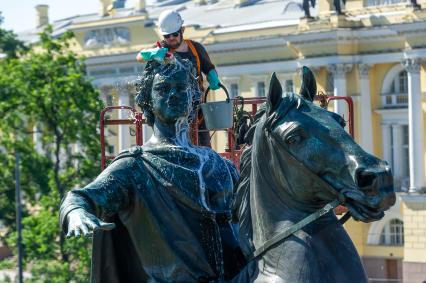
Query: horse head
{"points": [[300, 159]]}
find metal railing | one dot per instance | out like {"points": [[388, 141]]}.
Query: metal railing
{"points": [[390, 100], [136, 120], [230, 152], [383, 280]]}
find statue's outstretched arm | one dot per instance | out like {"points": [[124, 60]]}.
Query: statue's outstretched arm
{"points": [[110, 193]]}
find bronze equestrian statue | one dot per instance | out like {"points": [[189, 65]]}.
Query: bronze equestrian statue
{"points": [[170, 202]]}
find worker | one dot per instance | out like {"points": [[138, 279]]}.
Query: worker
{"points": [[170, 25]]}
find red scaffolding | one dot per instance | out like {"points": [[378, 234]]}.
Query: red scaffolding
{"points": [[230, 152]]}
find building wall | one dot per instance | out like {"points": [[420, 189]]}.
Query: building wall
{"points": [[414, 211]]}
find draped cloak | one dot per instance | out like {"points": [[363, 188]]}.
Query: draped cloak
{"points": [[171, 206]]}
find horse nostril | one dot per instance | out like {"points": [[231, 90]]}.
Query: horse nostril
{"points": [[365, 178]]}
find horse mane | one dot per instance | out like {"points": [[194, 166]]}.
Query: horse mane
{"points": [[242, 194], [292, 100]]}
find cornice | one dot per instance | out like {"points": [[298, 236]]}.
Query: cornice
{"points": [[352, 36], [110, 59], [107, 22], [413, 198], [292, 64], [252, 43]]}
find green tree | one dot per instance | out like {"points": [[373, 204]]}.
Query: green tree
{"points": [[10, 45], [47, 91]]}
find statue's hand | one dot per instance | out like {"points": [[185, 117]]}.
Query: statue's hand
{"points": [[81, 222]]}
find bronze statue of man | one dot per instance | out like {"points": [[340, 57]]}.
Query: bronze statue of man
{"points": [[336, 3], [160, 212]]}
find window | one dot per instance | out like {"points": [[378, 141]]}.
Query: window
{"points": [[234, 92], [260, 89], [403, 82], [405, 156], [127, 71], [110, 149], [109, 100], [329, 88], [393, 233], [398, 95], [288, 86], [132, 101], [398, 155], [103, 72]]}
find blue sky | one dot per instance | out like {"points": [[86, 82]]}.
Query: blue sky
{"points": [[20, 15]]}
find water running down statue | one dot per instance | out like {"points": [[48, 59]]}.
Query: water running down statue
{"points": [[168, 200]]}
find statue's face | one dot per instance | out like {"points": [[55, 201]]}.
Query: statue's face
{"points": [[171, 97]]}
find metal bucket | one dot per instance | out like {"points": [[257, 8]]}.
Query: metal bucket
{"points": [[218, 115]]}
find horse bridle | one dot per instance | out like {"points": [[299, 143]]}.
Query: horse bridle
{"points": [[285, 233], [280, 237]]}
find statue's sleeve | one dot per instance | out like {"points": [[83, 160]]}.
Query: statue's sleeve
{"points": [[108, 194]]}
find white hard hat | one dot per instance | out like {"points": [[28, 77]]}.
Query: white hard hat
{"points": [[169, 22]]}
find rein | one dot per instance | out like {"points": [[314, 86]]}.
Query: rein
{"points": [[285, 233], [292, 229]]}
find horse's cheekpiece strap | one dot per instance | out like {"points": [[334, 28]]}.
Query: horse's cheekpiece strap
{"points": [[293, 229]]}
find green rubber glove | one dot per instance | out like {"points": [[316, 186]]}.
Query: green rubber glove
{"points": [[157, 54], [213, 80]]}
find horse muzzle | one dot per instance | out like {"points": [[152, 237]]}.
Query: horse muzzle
{"points": [[374, 193]]}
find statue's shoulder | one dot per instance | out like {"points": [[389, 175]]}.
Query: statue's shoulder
{"points": [[132, 152], [229, 164], [233, 170]]}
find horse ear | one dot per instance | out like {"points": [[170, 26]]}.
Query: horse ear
{"points": [[308, 90], [274, 94]]}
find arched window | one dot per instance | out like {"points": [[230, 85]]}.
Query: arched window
{"points": [[393, 233], [398, 95]]}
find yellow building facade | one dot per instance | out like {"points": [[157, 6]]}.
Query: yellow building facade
{"points": [[375, 53]]}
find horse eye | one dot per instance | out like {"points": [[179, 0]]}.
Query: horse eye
{"points": [[293, 139]]}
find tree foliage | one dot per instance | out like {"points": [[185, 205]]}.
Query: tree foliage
{"points": [[10, 45], [45, 92]]}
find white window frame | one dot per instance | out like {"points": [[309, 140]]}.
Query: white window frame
{"points": [[228, 81], [391, 94], [391, 116], [283, 77], [388, 231], [256, 79], [376, 227]]}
